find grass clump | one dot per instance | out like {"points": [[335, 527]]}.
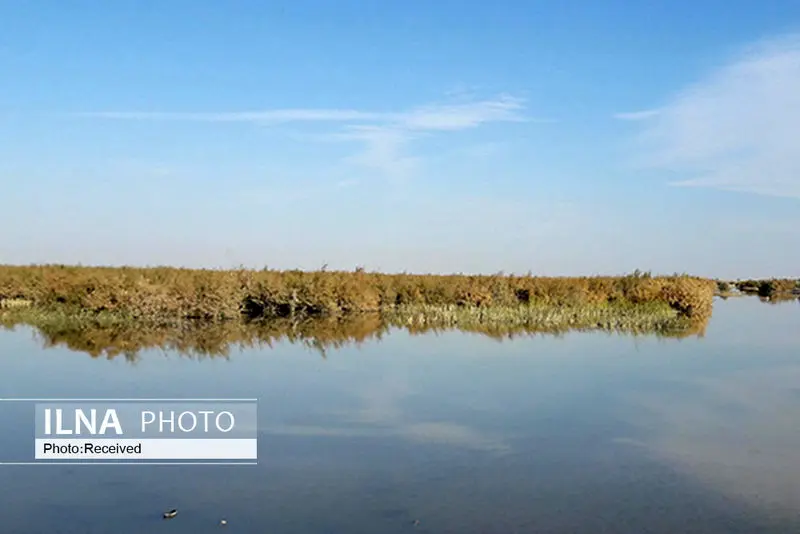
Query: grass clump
{"points": [[769, 287]]}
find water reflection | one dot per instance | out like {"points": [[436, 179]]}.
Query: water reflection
{"points": [[215, 340], [738, 433], [778, 298], [569, 433], [781, 299], [734, 429]]}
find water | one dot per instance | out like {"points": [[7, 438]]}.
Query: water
{"points": [[583, 433]]}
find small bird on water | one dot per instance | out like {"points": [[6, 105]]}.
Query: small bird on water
{"points": [[170, 514]]}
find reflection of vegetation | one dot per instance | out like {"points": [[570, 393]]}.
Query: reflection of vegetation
{"points": [[652, 316], [111, 335], [629, 320], [108, 334], [780, 298]]}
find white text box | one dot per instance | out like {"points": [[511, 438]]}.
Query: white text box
{"points": [[146, 449]]}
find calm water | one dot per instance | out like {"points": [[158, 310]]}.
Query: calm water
{"points": [[584, 433]]}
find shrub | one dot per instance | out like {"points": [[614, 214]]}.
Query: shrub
{"points": [[217, 294]]}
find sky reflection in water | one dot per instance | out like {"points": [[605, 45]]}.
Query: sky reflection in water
{"points": [[585, 433]]}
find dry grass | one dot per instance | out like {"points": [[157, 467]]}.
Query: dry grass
{"points": [[168, 293], [14, 303]]}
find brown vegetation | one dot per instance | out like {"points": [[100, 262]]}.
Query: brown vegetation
{"points": [[110, 311], [165, 293], [769, 287]]}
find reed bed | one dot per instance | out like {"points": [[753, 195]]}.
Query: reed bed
{"points": [[111, 311], [165, 293]]}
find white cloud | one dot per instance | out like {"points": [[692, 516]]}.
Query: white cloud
{"points": [[736, 129], [385, 136]]}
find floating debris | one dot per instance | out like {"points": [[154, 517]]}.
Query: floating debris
{"points": [[170, 514], [223, 522], [416, 522]]}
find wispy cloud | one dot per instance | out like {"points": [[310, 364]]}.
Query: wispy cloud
{"points": [[386, 146], [464, 115], [430, 117], [736, 129], [384, 150], [384, 135], [267, 116], [637, 115]]}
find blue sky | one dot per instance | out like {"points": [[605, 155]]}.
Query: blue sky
{"points": [[558, 137]]}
